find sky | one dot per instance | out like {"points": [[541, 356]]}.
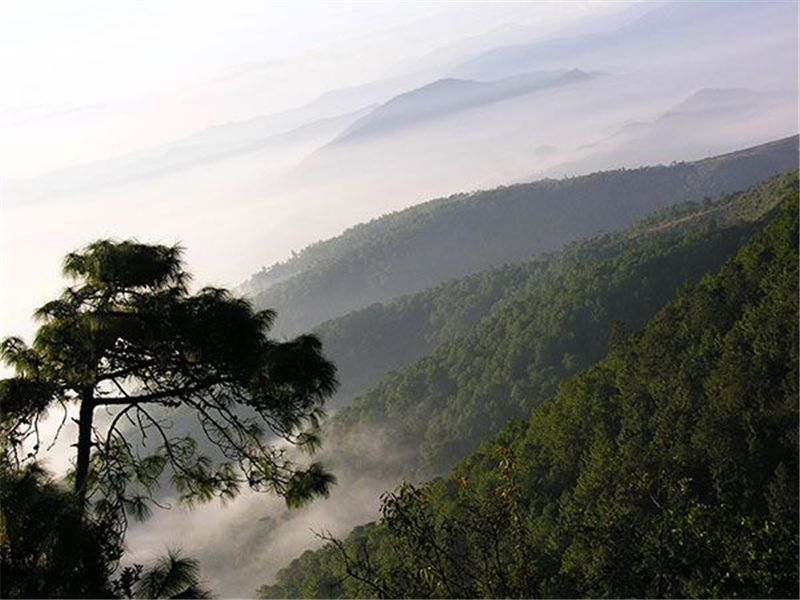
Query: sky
{"points": [[141, 73], [91, 80], [88, 80]]}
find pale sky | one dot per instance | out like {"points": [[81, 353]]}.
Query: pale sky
{"points": [[89, 80], [85, 81], [135, 73]]}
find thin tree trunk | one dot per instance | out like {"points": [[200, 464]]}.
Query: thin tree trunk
{"points": [[84, 445]]}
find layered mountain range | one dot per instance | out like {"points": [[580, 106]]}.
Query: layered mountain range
{"points": [[426, 377], [445, 238], [558, 278], [664, 464]]}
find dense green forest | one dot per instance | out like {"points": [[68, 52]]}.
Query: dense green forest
{"points": [[422, 246], [668, 468], [368, 343], [560, 318], [626, 480]]}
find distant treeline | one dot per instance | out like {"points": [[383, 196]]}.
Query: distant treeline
{"points": [[422, 246]]}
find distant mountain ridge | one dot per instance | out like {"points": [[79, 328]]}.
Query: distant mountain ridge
{"points": [[214, 143], [724, 98], [656, 33], [705, 122], [422, 246], [445, 97]]}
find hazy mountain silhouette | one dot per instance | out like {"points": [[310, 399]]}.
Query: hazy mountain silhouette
{"points": [[664, 33], [707, 122], [215, 143], [446, 97]]}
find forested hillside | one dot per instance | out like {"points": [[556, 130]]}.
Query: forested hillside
{"points": [[667, 469], [368, 343], [559, 320], [422, 246]]}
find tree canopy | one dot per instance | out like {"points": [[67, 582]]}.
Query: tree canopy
{"points": [[667, 469], [129, 337], [558, 317], [47, 550]]}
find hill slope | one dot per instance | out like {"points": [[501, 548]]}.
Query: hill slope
{"points": [[667, 469], [557, 322], [556, 318], [367, 343], [422, 246]]}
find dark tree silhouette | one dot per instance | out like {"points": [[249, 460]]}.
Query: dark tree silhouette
{"points": [[129, 337], [46, 549], [171, 576]]}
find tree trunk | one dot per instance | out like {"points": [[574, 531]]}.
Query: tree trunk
{"points": [[84, 445]]}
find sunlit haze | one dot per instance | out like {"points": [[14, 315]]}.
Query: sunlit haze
{"points": [[87, 81], [279, 143]]}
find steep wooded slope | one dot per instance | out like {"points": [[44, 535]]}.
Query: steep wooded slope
{"points": [[667, 469], [422, 246], [556, 320]]}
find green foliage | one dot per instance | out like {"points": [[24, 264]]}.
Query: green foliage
{"points": [[306, 484], [422, 246], [130, 337], [172, 576], [46, 550], [667, 469], [557, 319], [107, 265], [368, 343]]}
